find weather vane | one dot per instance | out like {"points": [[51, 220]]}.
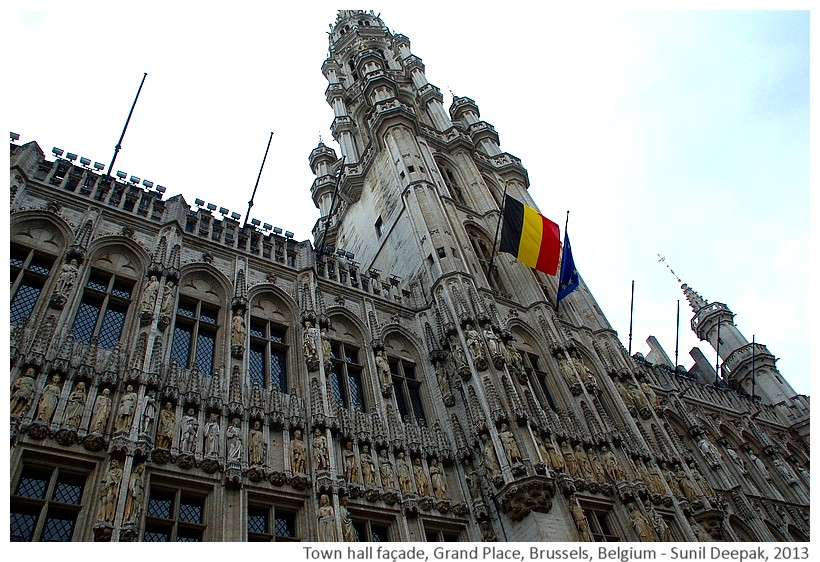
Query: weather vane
{"points": [[663, 260]]}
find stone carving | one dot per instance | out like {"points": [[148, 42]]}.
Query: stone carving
{"points": [[257, 448], [650, 395], [638, 398], [515, 360], [234, 441], [76, 404], [66, 279], [368, 468], [136, 495], [490, 460], [349, 533], [584, 466], [383, 368], [167, 307], [320, 452], [580, 519], [439, 480], [211, 445], [710, 452], [686, 486], [149, 295], [327, 520], [49, 400], [784, 471], [351, 467], [422, 485], [487, 533], [109, 492], [386, 471], [597, 466], [298, 453], [624, 393], [404, 474], [672, 480], [701, 481], [492, 341], [612, 466], [580, 366], [510, 445], [22, 393], [473, 483], [165, 427], [658, 523], [639, 523], [309, 345], [100, 412], [125, 413], [473, 342], [566, 371], [573, 469], [556, 461], [739, 462], [758, 463], [149, 411], [238, 329], [189, 429]]}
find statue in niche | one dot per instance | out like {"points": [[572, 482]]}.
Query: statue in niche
{"points": [[109, 492], [327, 520], [238, 329], [22, 392], [515, 359], [510, 445], [383, 368], [66, 279], [136, 495], [566, 371], [189, 430], [349, 533], [655, 477], [672, 480], [76, 404], [386, 471], [784, 471], [458, 357], [422, 485], [758, 463], [234, 438], [439, 480], [473, 482], [638, 397], [167, 307], [556, 461], [351, 467], [49, 400], [686, 485], [100, 411], [487, 533], [658, 523], [611, 465], [443, 381], [327, 349], [149, 295], [580, 519], [640, 524], [710, 452], [320, 452], [584, 466], [489, 457], [211, 444], [257, 448], [125, 413], [597, 467], [149, 411], [624, 393], [739, 462], [165, 428], [298, 453], [404, 474], [573, 469], [701, 481], [473, 342], [492, 340], [650, 395], [308, 344], [368, 468], [580, 366]]}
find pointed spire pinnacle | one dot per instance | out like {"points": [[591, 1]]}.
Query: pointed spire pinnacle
{"points": [[695, 300]]}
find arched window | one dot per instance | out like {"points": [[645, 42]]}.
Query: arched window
{"points": [[536, 372], [346, 375], [29, 272], [483, 251], [196, 324], [456, 192], [407, 378], [268, 353]]}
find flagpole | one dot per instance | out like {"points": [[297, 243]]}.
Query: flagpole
{"points": [[128, 120], [677, 336], [321, 249], [717, 359], [753, 368], [561, 270], [250, 203], [497, 229], [631, 311]]}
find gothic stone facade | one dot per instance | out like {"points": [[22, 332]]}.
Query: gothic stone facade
{"points": [[177, 376]]}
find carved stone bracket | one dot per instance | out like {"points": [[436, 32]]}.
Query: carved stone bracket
{"points": [[522, 497]]}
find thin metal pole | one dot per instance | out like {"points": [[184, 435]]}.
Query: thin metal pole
{"points": [[119, 142], [497, 229], [250, 203], [677, 335], [717, 360], [561, 271], [631, 311], [753, 368], [321, 249]]}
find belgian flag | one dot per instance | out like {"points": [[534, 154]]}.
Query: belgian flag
{"points": [[529, 236]]}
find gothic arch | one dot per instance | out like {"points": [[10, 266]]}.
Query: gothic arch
{"points": [[289, 308], [742, 530], [797, 535], [352, 326], [219, 287], [399, 332], [482, 245], [453, 179], [778, 535], [40, 230]]}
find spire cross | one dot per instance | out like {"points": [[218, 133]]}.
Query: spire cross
{"points": [[672, 271]]}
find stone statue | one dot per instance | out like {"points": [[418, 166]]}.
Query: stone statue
{"points": [[459, 359], [473, 483], [686, 485], [489, 457], [233, 436], [439, 480], [49, 400], [422, 485], [349, 533], [386, 471], [441, 377], [257, 448], [165, 428], [383, 368], [658, 523], [109, 492], [597, 467], [327, 520], [65, 282], [167, 307], [556, 461], [487, 533], [76, 404], [739, 462], [580, 366], [404, 474], [149, 295], [510, 445], [571, 462], [650, 395], [672, 480], [710, 452], [100, 412], [758, 463], [515, 357], [308, 344], [320, 452], [238, 329], [623, 392], [611, 465], [125, 413], [149, 411], [700, 532], [701, 481], [213, 434], [580, 519], [351, 467], [584, 466], [368, 468], [189, 430], [298, 453], [638, 397], [566, 371], [640, 524], [473, 342], [492, 340], [22, 392], [784, 471], [327, 349], [655, 478], [136, 495]]}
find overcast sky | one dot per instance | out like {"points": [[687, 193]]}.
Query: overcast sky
{"points": [[684, 134]]}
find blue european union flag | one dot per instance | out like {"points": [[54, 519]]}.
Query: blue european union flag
{"points": [[568, 280]]}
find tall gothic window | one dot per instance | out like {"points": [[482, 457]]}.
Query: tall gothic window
{"points": [[45, 504], [536, 373], [267, 359], [104, 306], [174, 516], [346, 376], [195, 330], [268, 523], [452, 184], [29, 272], [483, 252], [408, 389]]}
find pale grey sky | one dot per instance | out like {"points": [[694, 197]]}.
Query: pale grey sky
{"points": [[684, 134]]}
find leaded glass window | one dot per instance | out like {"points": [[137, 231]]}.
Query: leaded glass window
{"points": [[267, 359], [195, 333], [346, 376], [271, 523], [29, 273], [407, 389], [103, 309], [45, 504], [174, 515]]}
